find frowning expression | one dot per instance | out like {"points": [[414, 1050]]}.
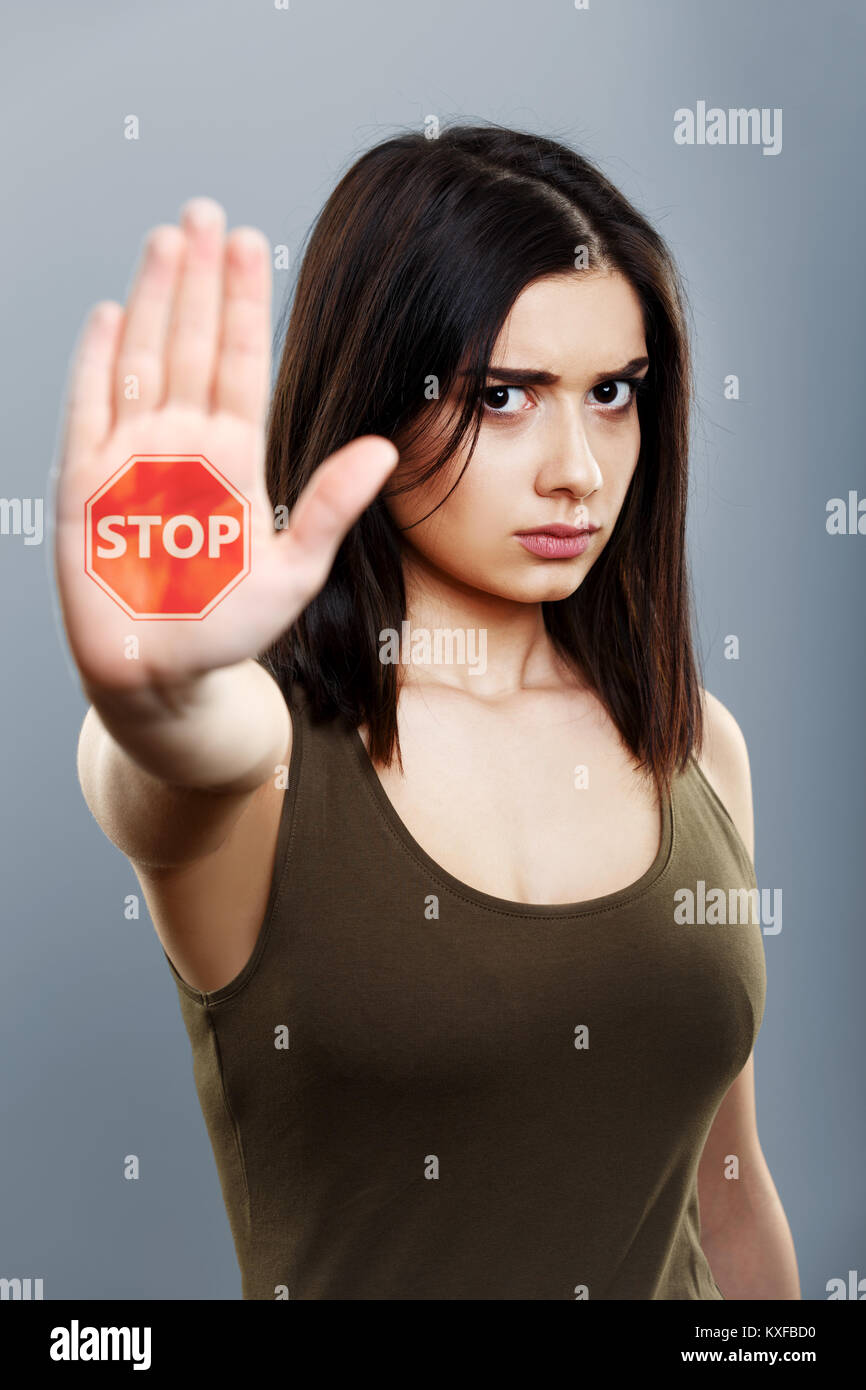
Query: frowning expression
{"points": [[558, 446]]}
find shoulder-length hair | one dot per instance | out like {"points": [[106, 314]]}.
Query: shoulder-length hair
{"points": [[410, 272]]}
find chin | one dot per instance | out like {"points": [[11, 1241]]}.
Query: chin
{"points": [[560, 591], [550, 590]]}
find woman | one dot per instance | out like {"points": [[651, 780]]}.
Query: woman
{"points": [[412, 806]]}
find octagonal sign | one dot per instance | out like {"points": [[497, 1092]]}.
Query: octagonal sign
{"points": [[167, 536]]}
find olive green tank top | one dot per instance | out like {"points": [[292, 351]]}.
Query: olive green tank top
{"points": [[415, 1090]]}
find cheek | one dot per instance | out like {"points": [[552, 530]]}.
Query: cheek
{"points": [[455, 535], [406, 508], [478, 499], [463, 538], [616, 450], [479, 510]]}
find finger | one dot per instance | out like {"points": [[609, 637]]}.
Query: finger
{"points": [[194, 328], [332, 501], [243, 372], [140, 373], [89, 401]]}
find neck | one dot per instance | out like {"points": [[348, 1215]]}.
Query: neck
{"points": [[487, 645]]}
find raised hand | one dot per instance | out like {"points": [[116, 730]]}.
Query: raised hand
{"points": [[185, 369]]}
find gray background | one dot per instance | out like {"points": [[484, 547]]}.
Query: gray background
{"points": [[263, 109]]}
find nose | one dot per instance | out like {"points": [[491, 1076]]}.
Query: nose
{"points": [[569, 464]]}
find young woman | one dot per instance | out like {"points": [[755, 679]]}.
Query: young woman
{"points": [[413, 807]]}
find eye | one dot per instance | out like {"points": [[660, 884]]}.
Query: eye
{"points": [[496, 400], [618, 400]]}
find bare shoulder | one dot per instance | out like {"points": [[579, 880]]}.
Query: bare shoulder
{"points": [[724, 761]]}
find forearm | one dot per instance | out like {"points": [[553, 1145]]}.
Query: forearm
{"points": [[167, 776], [751, 1251], [220, 732]]}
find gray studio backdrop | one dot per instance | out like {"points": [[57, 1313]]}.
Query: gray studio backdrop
{"points": [[263, 108]]}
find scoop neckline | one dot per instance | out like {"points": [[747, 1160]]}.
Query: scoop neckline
{"points": [[589, 907]]}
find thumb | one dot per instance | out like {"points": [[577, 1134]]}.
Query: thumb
{"points": [[335, 496]]}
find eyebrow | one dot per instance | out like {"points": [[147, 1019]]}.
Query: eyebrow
{"points": [[529, 376]]}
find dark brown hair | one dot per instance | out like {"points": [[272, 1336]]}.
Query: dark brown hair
{"points": [[410, 272]]}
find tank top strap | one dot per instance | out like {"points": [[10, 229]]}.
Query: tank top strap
{"points": [[703, 819], [327, 787]]}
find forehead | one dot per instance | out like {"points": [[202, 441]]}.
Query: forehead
{"points": [[573, 323]]}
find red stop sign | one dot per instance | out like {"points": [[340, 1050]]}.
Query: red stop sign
{"points": [[167, 536]]}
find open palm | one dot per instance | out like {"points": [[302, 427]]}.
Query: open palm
{"points": [[185, 369]]}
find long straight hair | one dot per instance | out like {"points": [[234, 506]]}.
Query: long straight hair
{"points": [[409, 274]]}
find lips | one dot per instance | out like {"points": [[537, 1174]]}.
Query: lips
{"points": [[556, 542], [558, 529]]}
